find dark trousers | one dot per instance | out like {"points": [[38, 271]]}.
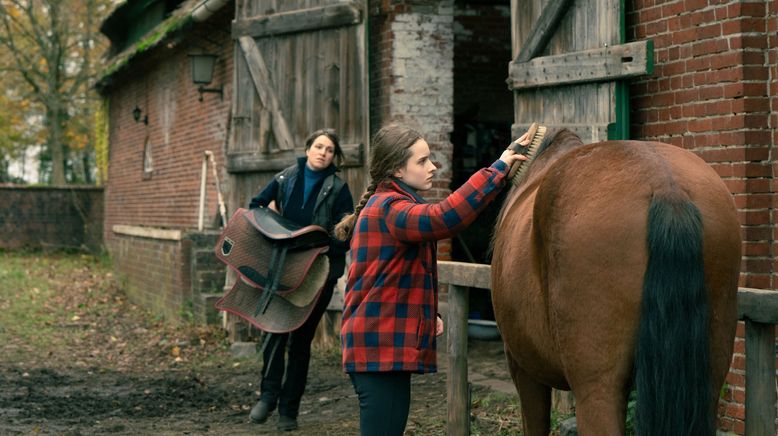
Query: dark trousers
{"points": [[384, 401], [287, 393]]}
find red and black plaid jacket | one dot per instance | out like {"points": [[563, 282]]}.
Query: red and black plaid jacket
{"points": [[391, 299]]}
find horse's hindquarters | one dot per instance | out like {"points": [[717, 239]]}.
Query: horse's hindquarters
{"points": [[519, 301]]}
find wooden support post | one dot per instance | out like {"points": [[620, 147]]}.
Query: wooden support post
{"points": [[760, 378], [456, 384]]}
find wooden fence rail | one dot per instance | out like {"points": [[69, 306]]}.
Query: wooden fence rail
{"points": [[758, 308]]}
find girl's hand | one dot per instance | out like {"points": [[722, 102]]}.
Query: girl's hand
{"points": [[509, 156], [439, 327]]}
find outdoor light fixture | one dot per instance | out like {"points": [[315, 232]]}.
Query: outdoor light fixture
{"points": [[202, 73], [136, 116]]}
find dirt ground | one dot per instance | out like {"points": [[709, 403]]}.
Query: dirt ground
{"points": [[79, 359]]}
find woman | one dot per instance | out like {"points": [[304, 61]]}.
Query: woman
{"points": [[389, 317], [309, 192]]}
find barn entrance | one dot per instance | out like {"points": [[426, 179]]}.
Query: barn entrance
{"points": [[483, 114]]}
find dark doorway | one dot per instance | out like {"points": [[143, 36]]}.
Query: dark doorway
{"points": [[483, 114]]}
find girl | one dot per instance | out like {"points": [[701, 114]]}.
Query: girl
{"points": [[390, 317]]}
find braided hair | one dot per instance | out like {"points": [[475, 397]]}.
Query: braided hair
{"points": [[390, 151]]}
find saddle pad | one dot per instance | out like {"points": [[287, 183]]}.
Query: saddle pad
{"points": [[248, 252], [281, 315]]}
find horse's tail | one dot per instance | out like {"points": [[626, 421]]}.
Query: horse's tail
{"points": [[672, 362]]}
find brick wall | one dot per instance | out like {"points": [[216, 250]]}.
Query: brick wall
{"points": [[411, 71], [176, 278], [712, 91], [153, 272], [51, 217], [179, 130]]}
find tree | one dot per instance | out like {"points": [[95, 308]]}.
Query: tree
{"points": [[51, 47]]}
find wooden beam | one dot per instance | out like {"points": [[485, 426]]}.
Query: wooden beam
{"points": [[543, 29], [264, 84], [760, 378], [465, 274], [457, 395], [337, 15], [261, 162], [758, 305], [608, 63], [148, 232]]}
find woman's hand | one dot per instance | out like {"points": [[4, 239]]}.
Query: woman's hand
{"points": [[509, 156], [272, 206], [439, 326]]}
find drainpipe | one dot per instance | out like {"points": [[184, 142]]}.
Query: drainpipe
{"points": [[204, 10]]}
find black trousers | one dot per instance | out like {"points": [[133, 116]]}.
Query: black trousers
{"points": [[287, 392], [384, 402]]}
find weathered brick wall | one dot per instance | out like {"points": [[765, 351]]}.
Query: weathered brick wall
{"points": [[154, 273], [178, 277], [411, 70], [712, 92], [206, 276], [51, 217], [180, 129]]}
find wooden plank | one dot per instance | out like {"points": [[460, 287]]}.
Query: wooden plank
{"points": [[760, 378], [543, 29], [456, 380], [252, 162], [264, 85], [243, 102], [758, 305], [148, 232], [325, 17], [474, 275], [608, 63]]}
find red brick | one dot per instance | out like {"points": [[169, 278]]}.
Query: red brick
{"points": [[735, 379]]}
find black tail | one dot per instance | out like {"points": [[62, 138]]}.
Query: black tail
{"points": [[672, 362]]}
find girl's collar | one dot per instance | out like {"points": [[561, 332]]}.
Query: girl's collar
{"points": [[404, 187]]}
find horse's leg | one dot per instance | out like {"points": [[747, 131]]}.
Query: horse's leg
{"points": [[535, 400], [600, 411]]}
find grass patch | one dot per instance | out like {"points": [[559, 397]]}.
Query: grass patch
{"points": [[494, 413], [34, 314]]}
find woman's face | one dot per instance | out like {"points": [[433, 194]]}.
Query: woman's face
{"points": [[419, 169], [320, 153]]}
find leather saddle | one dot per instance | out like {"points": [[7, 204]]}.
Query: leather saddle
{"points": [[281, 266]]}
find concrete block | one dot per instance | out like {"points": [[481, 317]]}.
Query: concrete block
{"points": [[243, 349], [568, 427]]}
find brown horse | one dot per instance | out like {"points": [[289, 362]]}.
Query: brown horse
{"points": [[615, 267]]}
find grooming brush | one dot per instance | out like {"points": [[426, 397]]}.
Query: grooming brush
{"points": [[536, 133]]}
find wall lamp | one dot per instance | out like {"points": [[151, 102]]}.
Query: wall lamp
{"points": [[136, 116], [202, 73]]}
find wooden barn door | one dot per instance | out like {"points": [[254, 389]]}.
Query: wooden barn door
{"points": [[300, 65], [569, 62]]}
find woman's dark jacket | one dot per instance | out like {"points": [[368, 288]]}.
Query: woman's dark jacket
{"points": [[328, 202]]}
